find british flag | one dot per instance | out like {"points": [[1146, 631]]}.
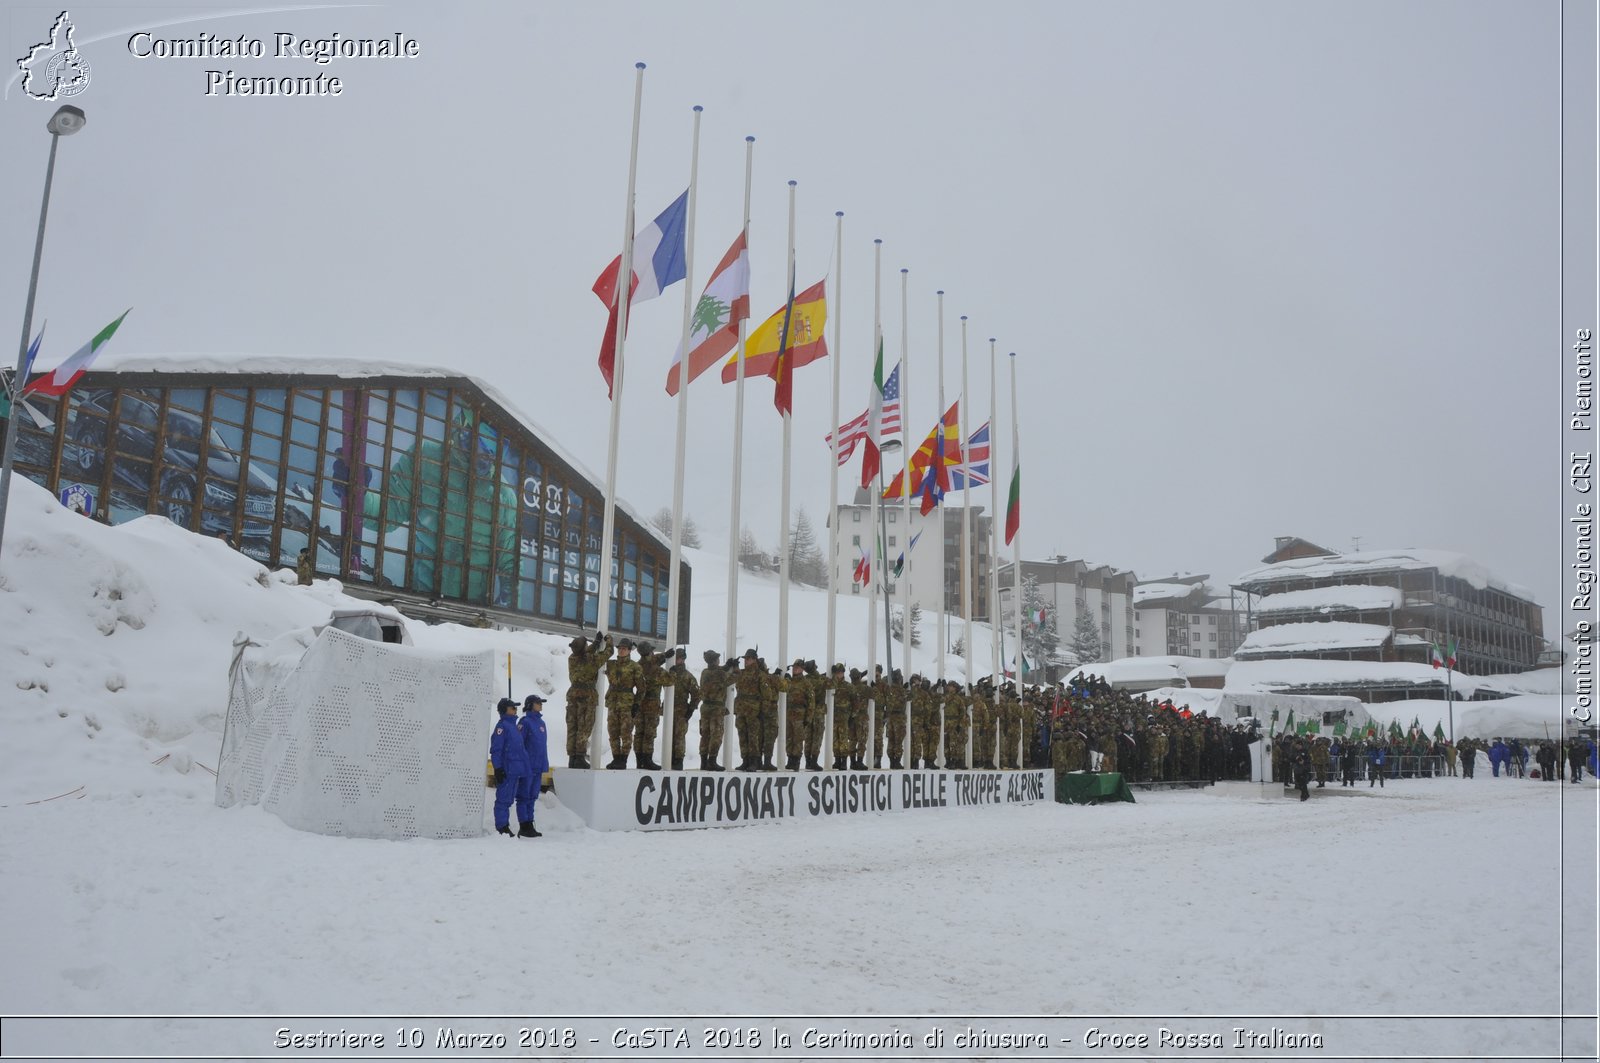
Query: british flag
{"points": [[978, 459]]}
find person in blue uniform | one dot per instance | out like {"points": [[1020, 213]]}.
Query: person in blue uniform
{"points": [[535, 742], [512, 772]]}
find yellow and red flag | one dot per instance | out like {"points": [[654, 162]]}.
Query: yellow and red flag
{"points": [[944, 432], [806, 317]]}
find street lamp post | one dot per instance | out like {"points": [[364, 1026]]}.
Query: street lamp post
{"points": [[66, 121]]}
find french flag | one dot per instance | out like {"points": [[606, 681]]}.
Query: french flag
{"points": [[658, 263]]}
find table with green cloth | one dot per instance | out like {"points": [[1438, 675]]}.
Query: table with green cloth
{"points": [[1091, 788]]}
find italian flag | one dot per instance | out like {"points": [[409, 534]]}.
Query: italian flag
{"points": [[1014, 504], [872, 457], [59, 380]]}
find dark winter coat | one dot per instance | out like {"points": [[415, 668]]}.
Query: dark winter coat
{"points": [[535, 741], [506, 749]]}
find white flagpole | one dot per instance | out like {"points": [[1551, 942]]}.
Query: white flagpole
{"points": [[995, 518], [624, 292], [938, 512], [783, 526], [963, 430], [669, 692], [905, 509], [826, 755], [879, 565], [732, 634], [1016, 543]]}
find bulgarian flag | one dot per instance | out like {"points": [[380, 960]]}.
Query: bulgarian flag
{"points": [[59, 381], [715, 326], [1014, 504]]}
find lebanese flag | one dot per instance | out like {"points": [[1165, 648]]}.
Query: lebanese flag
{"points": [[724, 303], [1014, 504], [59, 380], [658, 263]]}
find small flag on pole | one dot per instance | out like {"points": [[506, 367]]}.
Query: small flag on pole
{"points": [[59, 380], [1014, 504], [715, 328], [658, 263]]}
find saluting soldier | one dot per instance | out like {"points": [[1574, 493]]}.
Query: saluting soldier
{"points": [[583, 669], [686, 693], [750, 682], [894, 715], [955, 726], [845, 728], [714, 692], [647, 711], [624, 676], [796, 712], [815, 721]]}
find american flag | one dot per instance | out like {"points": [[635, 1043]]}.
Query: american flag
{"points": [[853, 431], [977, 456]]}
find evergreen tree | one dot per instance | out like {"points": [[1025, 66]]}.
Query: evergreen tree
{"points": [[1039, 639], [751, 555], [806, 564], [1086, 638], [897, 624], [662, 522]]}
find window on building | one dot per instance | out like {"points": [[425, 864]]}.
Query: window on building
{"points": [[1211, 653], [1211, 620], [855, 540], [855, 515], [1213, 636]]}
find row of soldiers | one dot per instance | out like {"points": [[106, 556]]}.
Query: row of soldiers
{"points": [[1094, 727], [926, 723]]}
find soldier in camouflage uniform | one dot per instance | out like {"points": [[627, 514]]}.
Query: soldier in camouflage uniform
{"points": [[685, 694], [881, 696], [895, 719], [983, 726], [797, 712], [714, 683], [583, 669], [623, 676], [845, 729], [1319, 761], [774, 688], [749, 681], [815, 721], [1010, 726], [922, 715], [1158, 754], [956, 717], [647, 710]]}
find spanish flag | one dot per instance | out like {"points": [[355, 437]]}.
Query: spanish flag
{"points": [[805, 344]]}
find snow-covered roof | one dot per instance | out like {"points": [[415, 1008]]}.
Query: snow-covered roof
{"points": [[358, 369], [1331, 599], [1312, 638], [1365, 563], [1170, 671], [1155, 592], [1525, 716], [1538, 681], [1298, 673]]}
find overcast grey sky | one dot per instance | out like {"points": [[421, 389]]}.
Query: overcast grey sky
{"points": [[1269, 269]]}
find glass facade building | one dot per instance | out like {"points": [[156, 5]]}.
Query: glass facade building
{"points": [[420, 489]]}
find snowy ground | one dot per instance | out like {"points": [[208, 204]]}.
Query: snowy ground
{"points": [[136, 895]]}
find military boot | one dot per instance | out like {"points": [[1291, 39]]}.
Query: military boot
{"points": [[766, 762], [894, 764], [618, 762], [677, 763], [645, 762], [813, 764], [857, 764], [574, 761], [526, 830], [582, 762], [711, 765], [794, 762], [838, 764], [506, 830]]}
